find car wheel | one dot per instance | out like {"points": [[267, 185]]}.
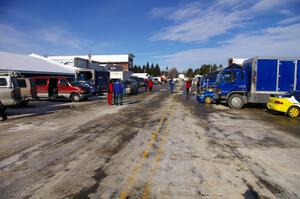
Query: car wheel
{"points": [[293, 112], [75, 97], [208, 100], [236, 101]]}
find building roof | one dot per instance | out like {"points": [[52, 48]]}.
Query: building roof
{"points": [[32, 64], [98, 58]]}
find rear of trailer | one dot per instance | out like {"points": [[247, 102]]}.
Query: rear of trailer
{"points": [[271, 75]]}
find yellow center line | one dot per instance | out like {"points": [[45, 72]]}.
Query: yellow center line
{"points": [[157, 158], [136, 169]]}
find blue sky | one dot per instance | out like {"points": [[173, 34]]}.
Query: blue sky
{"points": [[172, 33]]}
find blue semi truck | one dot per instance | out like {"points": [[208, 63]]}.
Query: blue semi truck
{"points": [[256, 80]]}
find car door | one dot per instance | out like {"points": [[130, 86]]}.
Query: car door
{"points": [[64, 88], [42, 87]]}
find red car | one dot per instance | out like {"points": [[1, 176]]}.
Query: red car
{"points": [[57, 87]]}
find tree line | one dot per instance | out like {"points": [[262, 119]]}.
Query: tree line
{"points": [[202, 70], [151, 69]]}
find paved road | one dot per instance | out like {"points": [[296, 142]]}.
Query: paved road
{"points": [[156, 146]]}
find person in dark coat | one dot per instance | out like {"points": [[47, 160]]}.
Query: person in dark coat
{"points": [[115, 88], [198, 85], [118, 93], [171, 84], [2, 112]]}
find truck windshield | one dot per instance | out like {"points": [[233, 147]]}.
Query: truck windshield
{"points": [[226, 77]]}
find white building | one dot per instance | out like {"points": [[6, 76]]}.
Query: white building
{"points": [[125, 60]]}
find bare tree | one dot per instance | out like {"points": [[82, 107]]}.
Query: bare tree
{"points": [[173, 73]]}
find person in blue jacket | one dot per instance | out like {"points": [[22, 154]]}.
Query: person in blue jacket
{"points": [[171, 84], [118, 92]]}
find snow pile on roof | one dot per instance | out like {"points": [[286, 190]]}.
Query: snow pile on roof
{"points": [[97, 58], [31, 64], [238, 61], [67, 67]]}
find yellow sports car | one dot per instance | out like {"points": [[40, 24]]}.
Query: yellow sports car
{"points": [[288, 103]]}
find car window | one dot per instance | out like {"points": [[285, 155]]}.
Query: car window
{"points": [[3, 82], [63, 82], [22, 83], [41, 82]]}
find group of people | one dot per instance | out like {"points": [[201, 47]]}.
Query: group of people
{"points": [[115, 93]]}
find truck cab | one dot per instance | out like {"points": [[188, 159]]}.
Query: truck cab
{"points": [[232, 86]]}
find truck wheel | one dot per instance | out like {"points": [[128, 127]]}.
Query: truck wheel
{"points": [[236, 101], [207, 100], [293, 112], [75, 97]]}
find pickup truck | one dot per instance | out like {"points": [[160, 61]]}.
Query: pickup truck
{"points": [[9, 89]]}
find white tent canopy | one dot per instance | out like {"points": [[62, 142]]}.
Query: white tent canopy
{"points": [[32, 64]]}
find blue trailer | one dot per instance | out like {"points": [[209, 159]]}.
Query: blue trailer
{"points": [[257, 79]]}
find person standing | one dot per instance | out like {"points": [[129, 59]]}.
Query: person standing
{"points": [[198, 85], [187, 86], [150, 84], [121, 89], [171, 84], [2, 112], [116, 92], [110, 92]]}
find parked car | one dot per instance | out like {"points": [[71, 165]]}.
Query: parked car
{"points": [[9, 89], [28, 89], [131, 86], [288, 103], [208, 97], [60, 87], [156, 80]]}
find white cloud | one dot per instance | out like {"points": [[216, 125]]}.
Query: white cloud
{"points": [[264, 5], [199, 22], [13, 40], [290, 20], [56, 35], [50, 39], [276, 41], [194, 24]]}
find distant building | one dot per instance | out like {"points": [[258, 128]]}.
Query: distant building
{"points": [[125, 61]]}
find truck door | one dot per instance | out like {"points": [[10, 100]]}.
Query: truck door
{"points": [[286, 76]]}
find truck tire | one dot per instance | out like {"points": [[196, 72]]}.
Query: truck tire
{"points": [[207, 100], [293, 112], [236, 101], [75, 97]]}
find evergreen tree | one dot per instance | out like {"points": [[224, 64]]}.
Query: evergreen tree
{"points": [[147, 67], [157, 70], [144, 68], [140, 70], [135, 68]]}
